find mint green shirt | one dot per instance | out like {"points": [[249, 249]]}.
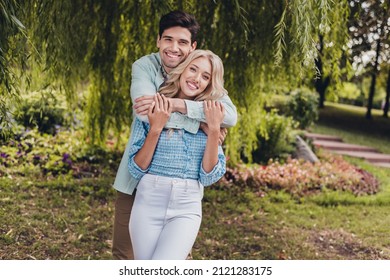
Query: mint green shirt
{"points": [[146, 78]]}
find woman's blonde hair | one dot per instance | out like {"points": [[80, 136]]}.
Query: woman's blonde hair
{"points": [[215, 88]]}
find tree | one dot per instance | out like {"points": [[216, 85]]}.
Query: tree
{"points": [[95, 42], [370, 28], [387, 99], [12, 52]]}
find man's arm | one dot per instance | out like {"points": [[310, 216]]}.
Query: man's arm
{"points": [[146, 79], [195, 111]]}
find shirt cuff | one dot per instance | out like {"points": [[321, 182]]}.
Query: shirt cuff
{"points": [[135, 170], [213, 176], [194, 109], [179, 121]]}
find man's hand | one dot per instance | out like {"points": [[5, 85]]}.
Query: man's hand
{"points": [[143, 103]]}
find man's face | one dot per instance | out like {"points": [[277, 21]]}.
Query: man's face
{"points": [[174, 46]]}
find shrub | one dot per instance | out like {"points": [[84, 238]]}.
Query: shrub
{"points": [[63, 153], [278, 141], [303, 107], [301, 178], [43, 110]]}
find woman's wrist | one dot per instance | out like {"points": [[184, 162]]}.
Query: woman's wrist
{"points": [[213, 133], [155, 130]]}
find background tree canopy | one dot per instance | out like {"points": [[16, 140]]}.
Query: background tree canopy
{"points": [[84, 49]]}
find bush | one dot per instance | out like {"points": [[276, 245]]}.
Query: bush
{"points": [[64, 153], [43, 110], [300, 178], [303, 107], [278, 141]]}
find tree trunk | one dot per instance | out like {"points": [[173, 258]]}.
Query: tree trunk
{"points": [[321, 85], [387, 100], [373, 81], [322, 82]]}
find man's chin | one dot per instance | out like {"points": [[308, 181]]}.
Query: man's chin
{"points": [[172, 64]]}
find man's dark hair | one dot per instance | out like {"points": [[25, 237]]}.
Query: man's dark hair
{"points": [[182, 19]]}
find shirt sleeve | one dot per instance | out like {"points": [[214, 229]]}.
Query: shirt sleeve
{"points": [[207, 179], [195, 111], [137, 140], [142, 82]]}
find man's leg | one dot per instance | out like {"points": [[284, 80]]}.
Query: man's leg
{"points": [[122, 248]]}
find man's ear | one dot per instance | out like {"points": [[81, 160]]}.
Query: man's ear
{"points": [[193, 46], [158, 41]]}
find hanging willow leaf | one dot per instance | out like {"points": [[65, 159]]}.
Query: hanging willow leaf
{"points": [[94, 42]]}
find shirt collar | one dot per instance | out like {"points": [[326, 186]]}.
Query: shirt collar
{"points": [[164, 73]]}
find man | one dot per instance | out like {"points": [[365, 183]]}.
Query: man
{"points": [[176, 39]]}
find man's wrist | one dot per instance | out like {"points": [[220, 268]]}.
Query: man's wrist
{"points": [[179, 105]]}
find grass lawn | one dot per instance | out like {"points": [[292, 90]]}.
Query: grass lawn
{"points": [[68, 218], [349, 122]]}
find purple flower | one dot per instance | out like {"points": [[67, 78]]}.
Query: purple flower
{"points": [[4, 155], [66, 159], [36, 158]]}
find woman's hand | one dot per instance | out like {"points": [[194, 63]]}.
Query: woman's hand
{"points": [[159, 112], [214, 112]]}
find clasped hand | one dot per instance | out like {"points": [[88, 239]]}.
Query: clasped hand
{"points": [[159, 112], [214, 112]]}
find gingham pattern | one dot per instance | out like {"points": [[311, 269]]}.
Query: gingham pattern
{"points": [[178, 154]]}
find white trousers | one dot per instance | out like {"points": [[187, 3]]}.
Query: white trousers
{"points": [[165, 218]]}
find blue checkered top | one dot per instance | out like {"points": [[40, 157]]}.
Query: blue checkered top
{"points": [[178, 154]]}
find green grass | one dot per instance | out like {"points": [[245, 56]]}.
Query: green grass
{"points": [[55, 219], [350, 124], [68, 218]]}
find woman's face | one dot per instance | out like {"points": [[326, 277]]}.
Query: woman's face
{"points": [[195, 78]]}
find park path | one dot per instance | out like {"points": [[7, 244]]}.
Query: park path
{"points": [[336, 145]]}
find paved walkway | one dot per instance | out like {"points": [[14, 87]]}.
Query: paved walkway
{"points": [[336, 145]]}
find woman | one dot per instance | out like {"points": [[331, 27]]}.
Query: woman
{"points": [[174, 165]]}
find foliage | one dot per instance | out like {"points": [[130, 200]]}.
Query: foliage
{"points": [[302, 178], [278, 139], [31, 152], [13, 51], [42, 110], [303, 107], [95, 42]]}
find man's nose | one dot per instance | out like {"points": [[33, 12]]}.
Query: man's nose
{"points": [[175, 46]]}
